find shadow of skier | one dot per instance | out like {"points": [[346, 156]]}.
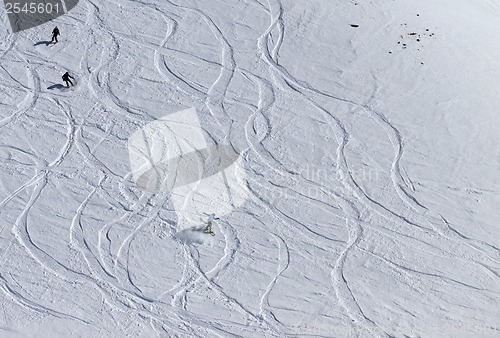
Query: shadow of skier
{"points": [[56, 86], [46, 43]]}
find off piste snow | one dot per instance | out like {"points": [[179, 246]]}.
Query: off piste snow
{"points": [[249, 168]]}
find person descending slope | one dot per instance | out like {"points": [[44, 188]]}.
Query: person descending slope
{"points": [[66, 78], [55, 34], [208, 228]]}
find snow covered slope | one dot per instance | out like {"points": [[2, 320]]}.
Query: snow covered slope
{"points": [[370, 139]]}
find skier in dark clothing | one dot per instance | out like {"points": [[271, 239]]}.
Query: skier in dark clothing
{"points": [[66, 78], [55, 34]]}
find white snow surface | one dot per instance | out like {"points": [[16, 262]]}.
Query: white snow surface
{"points": [[372, 165]]}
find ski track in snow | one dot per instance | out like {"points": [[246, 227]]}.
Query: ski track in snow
{"points": [[110, 218]]}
